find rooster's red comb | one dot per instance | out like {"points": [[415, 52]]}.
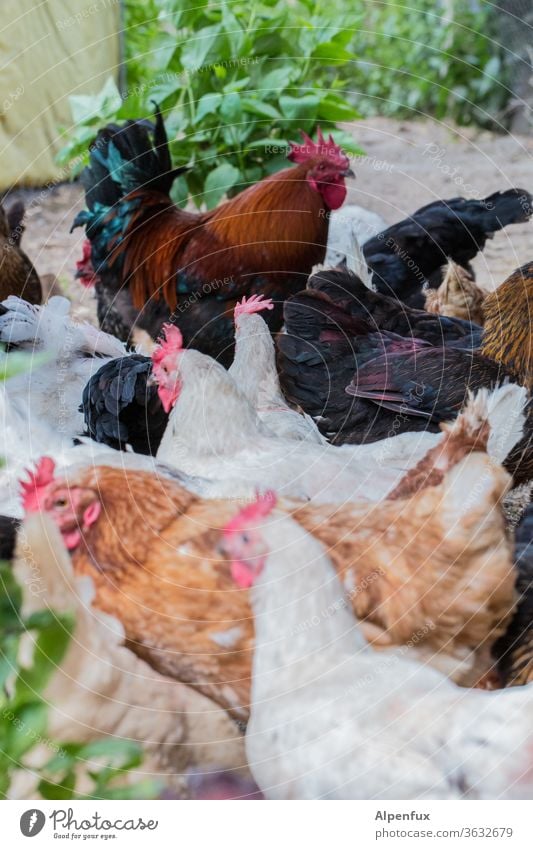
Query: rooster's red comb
{"points": [[171, 342], [262, 506], [33, 489], [321, 148]]}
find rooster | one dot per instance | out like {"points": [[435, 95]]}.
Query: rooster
{"points": [[167, 264], [330, 718]]}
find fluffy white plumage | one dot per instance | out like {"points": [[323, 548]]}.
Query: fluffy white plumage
{"points": [[228, 441], [51, 390], [331, 718], [349, 228]]}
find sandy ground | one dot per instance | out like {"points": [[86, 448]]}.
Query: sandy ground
{"points": [[410, 164]]}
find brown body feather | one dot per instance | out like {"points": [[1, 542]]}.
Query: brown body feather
{"points": [[458, 296], [17, 274], [507, 336], [276, 227]]}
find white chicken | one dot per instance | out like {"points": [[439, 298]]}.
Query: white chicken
{"points": [[51, 389], [228, 441], [330, 718], [350, 225]]}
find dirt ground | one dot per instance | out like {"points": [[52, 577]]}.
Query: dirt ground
{"points": [[406, 166]]}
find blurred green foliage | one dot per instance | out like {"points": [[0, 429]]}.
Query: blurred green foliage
{"points": [[24, 710], [441, 59]]}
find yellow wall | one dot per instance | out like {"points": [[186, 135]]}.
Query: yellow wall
{"points": [[48, 50]]}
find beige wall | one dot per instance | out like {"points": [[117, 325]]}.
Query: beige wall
{"points": [[48, 50]]}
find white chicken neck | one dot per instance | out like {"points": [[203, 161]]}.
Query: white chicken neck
{"points": [[300, 605], [211, 417]]}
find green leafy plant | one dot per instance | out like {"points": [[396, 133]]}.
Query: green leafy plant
{"points": [[235, 78], [232, 78]]}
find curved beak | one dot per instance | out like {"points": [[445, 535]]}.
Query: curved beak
{"points": [[348, 173]]}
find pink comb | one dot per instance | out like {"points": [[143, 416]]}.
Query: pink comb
{"points": [[310, 150], [255, 303], [33, 490], [172, 342], [262, 506]]}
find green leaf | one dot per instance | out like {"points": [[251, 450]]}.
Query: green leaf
{"points": [[26, 728], [231, 109], [334, 108], [219, 181], [86, 107], [236, 85], [257, 107], [123, 753], [277, 80], [329, 51], [145, 789], [197, 46], [16, 363], [62, 789], [49, 650], [300, 107], [207, 105]]}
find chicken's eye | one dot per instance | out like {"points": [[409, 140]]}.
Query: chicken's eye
{"points": [[60, 502], [245, 539]]}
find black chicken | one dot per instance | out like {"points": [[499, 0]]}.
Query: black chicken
{"points": [[410, 253], [348, 351], [121, 406]]}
